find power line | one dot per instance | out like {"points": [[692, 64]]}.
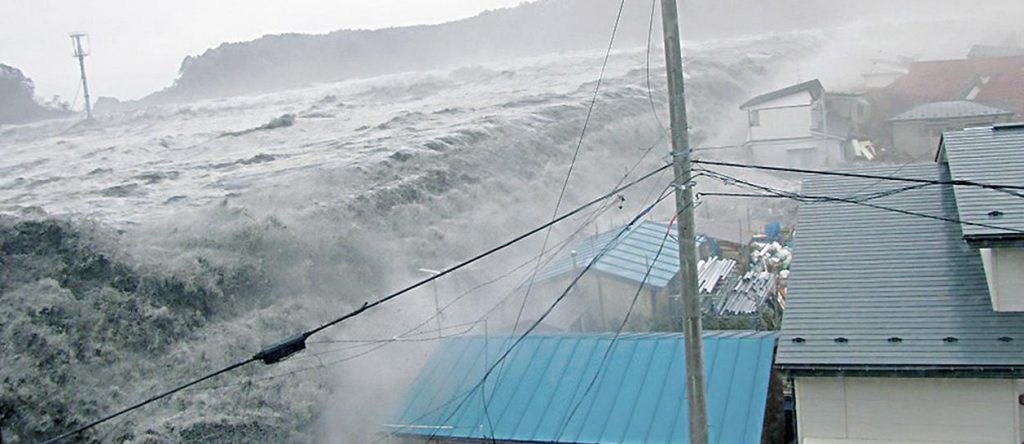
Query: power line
{"points": [[150, 400], [550, 309], [468, 393], [717, 147], [732, 180], [804, 198], [465, 395], [404, 337], [381, 343], [647, 70], [998, 187], [776, 193], [502, 246], [894, 173], [297, 343], [579, 144], [618, 332], [575, 154]]}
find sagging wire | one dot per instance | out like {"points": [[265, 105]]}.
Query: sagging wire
{"points": [[289, 347], [618, 331], [504, 355], [1006, 188], [575, 156], [769, 192]]}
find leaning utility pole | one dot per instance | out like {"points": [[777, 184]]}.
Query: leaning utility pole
{"points": [[80, 53], [696, 398]]}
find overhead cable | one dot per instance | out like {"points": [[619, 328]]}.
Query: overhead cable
{"points": [[575, 154], [998, 187], [572, 284], [297, 343]]}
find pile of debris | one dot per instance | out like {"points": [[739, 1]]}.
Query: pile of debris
{"points": [[726, 290], [770, 256], [711, 271]]}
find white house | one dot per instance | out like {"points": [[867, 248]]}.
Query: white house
{"points": [[904, 319], [790, 127]]}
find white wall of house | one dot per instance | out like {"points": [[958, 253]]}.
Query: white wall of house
{"points": [[781, 123], [1004, 270], [781, 118], [846, 410]]}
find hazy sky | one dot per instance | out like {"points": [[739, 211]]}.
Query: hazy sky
{"points": [[137, 45]]}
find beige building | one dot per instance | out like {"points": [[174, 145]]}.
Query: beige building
{"points": [[916, 131], [904, 320]]}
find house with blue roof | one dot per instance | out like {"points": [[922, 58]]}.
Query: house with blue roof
{"points": [[589, 388], [623, 256], [606, 291], [904, 320]]}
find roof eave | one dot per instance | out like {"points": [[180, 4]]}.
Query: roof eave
{"points": [[1008, 240], [904, 371]]}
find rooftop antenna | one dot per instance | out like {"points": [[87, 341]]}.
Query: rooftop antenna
{"points": [[79, 51]]}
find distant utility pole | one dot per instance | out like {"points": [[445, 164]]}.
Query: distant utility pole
{"points": [[80, 53], [697, 397]]}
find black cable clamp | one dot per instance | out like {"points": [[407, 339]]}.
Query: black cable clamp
{"points": [[283, 350]]}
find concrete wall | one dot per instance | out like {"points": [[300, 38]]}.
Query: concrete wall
{"points": [[908, 410], [1004, 270]]}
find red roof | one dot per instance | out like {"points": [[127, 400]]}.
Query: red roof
{"points": [[954, 79]]}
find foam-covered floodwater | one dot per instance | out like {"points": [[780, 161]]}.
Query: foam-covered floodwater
{"points": [[153, 246]]}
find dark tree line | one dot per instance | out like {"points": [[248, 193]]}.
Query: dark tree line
{"points": [[17, 98]]}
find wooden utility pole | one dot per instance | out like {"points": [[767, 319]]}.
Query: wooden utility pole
{"points": [[79, 52], [696, 396]]}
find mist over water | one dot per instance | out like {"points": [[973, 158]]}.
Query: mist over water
{"points": [[165, 242]]}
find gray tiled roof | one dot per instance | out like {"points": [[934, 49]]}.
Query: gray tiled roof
{"points": [[867, 275], [992, 155], [950, 109]]}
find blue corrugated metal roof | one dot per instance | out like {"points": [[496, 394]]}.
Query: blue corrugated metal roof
{"points": [[862, 275], [639, 394], [629, 257], [993, 155]]}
